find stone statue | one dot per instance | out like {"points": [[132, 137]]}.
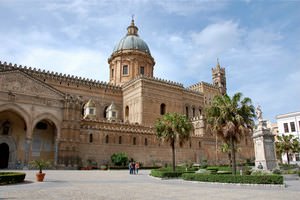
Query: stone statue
{"points": [[259, 113]]}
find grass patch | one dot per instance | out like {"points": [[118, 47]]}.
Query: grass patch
{"points": [[11, 177]]}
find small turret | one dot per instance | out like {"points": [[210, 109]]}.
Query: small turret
{"points": [[90, 110]]}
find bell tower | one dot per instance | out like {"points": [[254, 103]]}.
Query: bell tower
{"points": [[219, 78]]}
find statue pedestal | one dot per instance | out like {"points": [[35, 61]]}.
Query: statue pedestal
{"points": [[264, 146]]}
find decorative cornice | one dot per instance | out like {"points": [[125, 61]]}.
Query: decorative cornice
{"points": [[116, 126], [59, 76]]}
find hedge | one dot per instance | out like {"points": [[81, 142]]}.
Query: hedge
{"points": [[248, 179], [166, 173], [11, 177]]}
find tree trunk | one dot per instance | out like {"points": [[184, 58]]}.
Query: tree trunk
{"points": [[233, 155], [173, 155], [229, 158], [288, 158]]}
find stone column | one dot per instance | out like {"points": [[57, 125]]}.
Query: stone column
{"points": [[56, 149], [264, 146]]}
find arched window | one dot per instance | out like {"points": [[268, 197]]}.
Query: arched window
{"points": [[200, 111], [199, 144], [162, 109], [104, 112], [146, 141], [91, 138], [193, 112], [134, 141], [106, 139], [5, 128], [187, 111], [127, 112], [120, 139], [190, 144]]}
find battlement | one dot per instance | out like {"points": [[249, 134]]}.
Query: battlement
{"points": [[201, 84], [155, 79], [218, 70], [58, 76]]}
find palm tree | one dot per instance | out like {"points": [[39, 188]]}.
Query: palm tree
{"points": [[173, 127], [231, 118], [225, 148], [287, 144]]}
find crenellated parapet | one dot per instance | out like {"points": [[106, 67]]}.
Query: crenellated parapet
{"points": [[59, 77], [116, 126], [156, 80], [202, 84]]}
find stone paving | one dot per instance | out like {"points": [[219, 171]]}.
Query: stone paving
{"points": [[96, 184]]}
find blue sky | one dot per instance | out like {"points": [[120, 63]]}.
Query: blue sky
{"points": [[258, 42]]}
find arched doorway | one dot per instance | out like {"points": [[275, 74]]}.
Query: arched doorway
{"points": [[4, 155], [13, 130], [43, 140]]}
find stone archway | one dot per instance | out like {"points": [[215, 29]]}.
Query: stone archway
{"points": [[4, 155], [45, 137], [13, 132]]}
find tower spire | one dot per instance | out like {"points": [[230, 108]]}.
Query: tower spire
{"points": [[218, 64]]}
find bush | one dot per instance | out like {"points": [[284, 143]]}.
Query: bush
{"points": [[259, 172], [119, 159], [288, 166], [11, 177], [277, 171], [247, 179], [168, 173]]}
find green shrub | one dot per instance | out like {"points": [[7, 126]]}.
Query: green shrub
{"points": [[276, 171], [119, 159], [11, 177], [247, 179], [224, 172], [288, 166], [168, 173], [259, 172], [213, 168]]}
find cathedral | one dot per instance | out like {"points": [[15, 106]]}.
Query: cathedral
{"points": [[72, 121]]}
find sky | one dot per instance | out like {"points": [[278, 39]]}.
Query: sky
{"points": [[258, 42]]}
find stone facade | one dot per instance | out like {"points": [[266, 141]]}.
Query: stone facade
{"points": [[72, 120]]}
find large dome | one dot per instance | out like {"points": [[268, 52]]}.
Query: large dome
{"points": [[132, 41]]}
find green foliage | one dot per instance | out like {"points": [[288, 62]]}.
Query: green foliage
{"points": [[119, 159], [231, 118], [40, 164], [247, 179], [11, 177], [259, 172], [167, 172], [287, 144], [172, 128], [276, 171]]}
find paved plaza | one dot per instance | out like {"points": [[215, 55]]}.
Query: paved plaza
{"points": [[96, 184]]}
